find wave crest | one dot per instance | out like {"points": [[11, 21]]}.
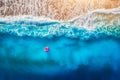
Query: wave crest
{"points": [[92, 25]]}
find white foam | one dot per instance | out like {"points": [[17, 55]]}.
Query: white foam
{"points": [[27, 18], [63, 28], [44, 19], [102, 11]]}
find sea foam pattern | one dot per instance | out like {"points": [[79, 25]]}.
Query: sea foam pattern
{"points": [[94, 23]]}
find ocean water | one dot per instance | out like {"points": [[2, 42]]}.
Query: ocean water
{"points": [[76, 52]]}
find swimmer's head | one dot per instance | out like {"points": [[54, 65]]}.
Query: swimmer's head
{"points": [[46, 49]]}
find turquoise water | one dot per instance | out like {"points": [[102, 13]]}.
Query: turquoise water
{"points": [[74, 53]]}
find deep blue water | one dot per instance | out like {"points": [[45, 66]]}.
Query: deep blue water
{"points": [[23, 58]]}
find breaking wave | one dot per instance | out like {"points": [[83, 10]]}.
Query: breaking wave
{"points": [[95, 23]]}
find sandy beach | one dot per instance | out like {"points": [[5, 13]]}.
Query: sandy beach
{"points": [[54, 9]]}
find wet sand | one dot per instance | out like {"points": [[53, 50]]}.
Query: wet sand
{"points": [[54, 9]]}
